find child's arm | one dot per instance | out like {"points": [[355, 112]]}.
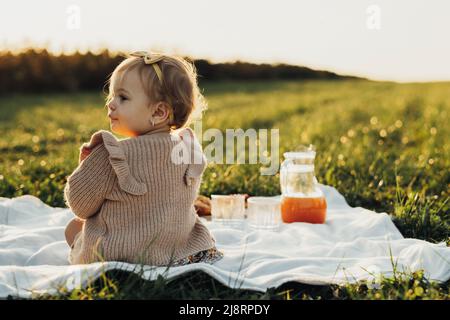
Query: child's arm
{"points": [[88, 185]]}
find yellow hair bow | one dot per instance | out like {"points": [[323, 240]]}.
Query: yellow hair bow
{"points": [[151, 58]]}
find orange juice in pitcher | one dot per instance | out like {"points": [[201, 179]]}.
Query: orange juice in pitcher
{"points": [[302, 200]]}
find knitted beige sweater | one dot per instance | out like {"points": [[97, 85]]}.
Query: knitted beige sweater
{"points": [[138, 203]]}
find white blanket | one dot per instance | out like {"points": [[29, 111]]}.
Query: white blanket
{"points": [[354, 244]]}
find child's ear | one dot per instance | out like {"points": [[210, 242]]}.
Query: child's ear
{"points": [[161, 111]]}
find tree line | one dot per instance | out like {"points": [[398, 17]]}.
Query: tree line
{"points": [[37, 71]]}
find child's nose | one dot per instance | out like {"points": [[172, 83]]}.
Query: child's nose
{"points": [[111, 105]]}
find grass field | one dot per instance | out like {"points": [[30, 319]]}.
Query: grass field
{"points": [[383, 145]]}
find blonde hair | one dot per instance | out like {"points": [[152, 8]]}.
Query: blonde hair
{"points": [[179, 88]]}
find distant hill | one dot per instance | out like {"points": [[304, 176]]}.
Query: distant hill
{"points": [[36, 70], [246, 70]]}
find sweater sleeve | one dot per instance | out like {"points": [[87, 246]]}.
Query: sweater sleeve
{"points": [[88, 185]]}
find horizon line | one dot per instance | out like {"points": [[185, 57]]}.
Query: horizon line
{"points": [[212, 60]]}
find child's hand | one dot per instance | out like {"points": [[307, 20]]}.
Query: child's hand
{"points": [[84, 152], [87, 147]]}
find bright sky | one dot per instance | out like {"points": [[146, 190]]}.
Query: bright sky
{"points": [[411, 44]]}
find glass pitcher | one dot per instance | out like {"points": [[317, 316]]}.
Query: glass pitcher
{"points": [[301, 198]]}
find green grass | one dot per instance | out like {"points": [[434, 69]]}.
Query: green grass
{"points": [[383, 145]]}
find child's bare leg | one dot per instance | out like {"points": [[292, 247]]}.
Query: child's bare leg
{"points": [[72, 228]]}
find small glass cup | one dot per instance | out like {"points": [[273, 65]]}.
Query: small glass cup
{"points": [[264, 212], [228, 209]]}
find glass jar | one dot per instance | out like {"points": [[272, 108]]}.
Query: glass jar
{"points": [[264, 213], [228, 209], [301, 198]]}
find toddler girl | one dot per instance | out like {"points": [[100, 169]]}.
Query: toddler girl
{"points": [[133, 201]]}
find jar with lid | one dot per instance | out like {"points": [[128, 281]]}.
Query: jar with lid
{"points": [[301, 198]]}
